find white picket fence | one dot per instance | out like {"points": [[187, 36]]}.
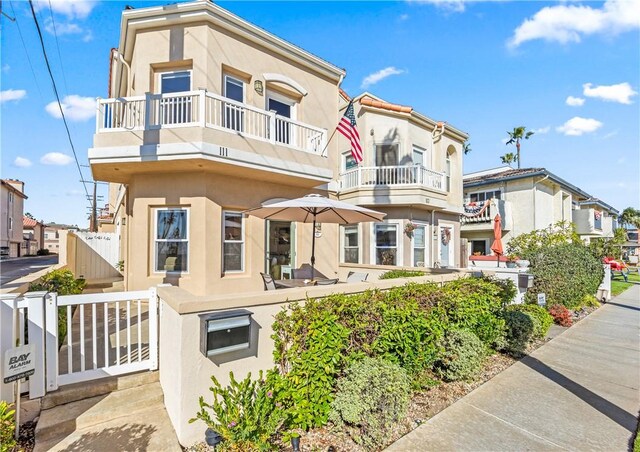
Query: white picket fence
{"points": [[107, 334]]}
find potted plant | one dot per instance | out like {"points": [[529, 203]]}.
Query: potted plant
{"points": [[409, 228], [511, 260]]}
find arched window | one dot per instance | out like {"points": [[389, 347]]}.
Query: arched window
{"points": [[447, 166]]}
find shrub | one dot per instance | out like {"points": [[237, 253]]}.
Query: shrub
{"points": [[561, 315], [61, 281], [371, 397], [520, 328], [542, 320], [43, 252], [245, 414], [393, 274], [462, 356], [7, 427], [565, 273], [527, 245], [507, 289]]}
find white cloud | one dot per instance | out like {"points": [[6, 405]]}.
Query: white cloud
{"points": [[611, 134], [374, 78], [577, 126], [6, 68], [456, 6], [73, 9], [541, 130], [74, 193], [403, 17], [68, 28], [56, 158], [22, 162], [12, 95], [569, 23], [575, 101], [76, 108], [621, 93]]}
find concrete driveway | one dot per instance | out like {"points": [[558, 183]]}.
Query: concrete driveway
{"points": [[12, 269], [579, 391]]}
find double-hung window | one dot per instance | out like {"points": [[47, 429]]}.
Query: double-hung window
{"points": [[233, 242], [175, 109], [172, 240], [350, 244], [386, 243], [420, 246]]}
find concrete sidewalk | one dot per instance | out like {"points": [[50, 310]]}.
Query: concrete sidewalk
{"points": [[580, 391]]}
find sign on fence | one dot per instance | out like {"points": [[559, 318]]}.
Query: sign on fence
{"points": [[19, 363]]}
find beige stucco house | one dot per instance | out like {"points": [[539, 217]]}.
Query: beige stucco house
{"points": [[412, 171], [529, 199], [11, 210], [33, 235], [207, 116]]}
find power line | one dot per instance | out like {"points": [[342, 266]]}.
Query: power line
{"points": [[55, 90], [25, 49], [55, 33]]}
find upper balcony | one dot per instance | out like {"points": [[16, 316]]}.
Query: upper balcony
{"points": [[216, 129], [592, 222], [483, 221], [406, 184]]}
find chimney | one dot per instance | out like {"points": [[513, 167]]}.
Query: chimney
{"points": [[17, 184]]}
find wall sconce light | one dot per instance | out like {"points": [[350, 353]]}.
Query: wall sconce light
{"points": [[258, 86]]}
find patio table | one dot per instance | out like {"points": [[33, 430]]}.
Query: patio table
{"points": [[290, 283]]}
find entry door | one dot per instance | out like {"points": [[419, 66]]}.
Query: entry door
{"points": [[175, 109], [280, 248], [233, 114], [386, 155], [283, 108], [446, 246]]}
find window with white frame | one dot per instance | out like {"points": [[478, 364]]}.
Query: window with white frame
{"points": [[350, 245], [348, 161], [386, 243], [172, 240], [233, 241], [420, 246], [234, 114], [484, 195], [284, 108], [175, 109], [10, 197]]}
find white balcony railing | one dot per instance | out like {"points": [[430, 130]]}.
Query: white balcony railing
{"points": [[366, 176], [205, 109]]}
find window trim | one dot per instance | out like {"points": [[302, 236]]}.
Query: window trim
{"points": [[159, 75], [426, 156], [270, 94], [343, 161], [343, 243], [467, 197], [155, 241], [242, 241], [235, 81], [399, 242], [424, 225]]}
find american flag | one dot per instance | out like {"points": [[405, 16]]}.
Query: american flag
{"points": [[347, 127]]}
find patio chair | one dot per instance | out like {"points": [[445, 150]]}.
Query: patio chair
{"points": [[357, 277], [269, 283], [304, 272], [326, 282]]}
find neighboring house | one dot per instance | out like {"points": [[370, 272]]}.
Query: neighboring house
{"points": [[52, 235], [207, 116], [11, 211], [528, 199], [33, 235], [412, 171]]}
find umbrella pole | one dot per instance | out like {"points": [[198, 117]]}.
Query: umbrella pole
{"points": [[313, 247]]}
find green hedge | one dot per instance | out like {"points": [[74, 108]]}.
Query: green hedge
{"points": [[394, 274], [541, 317], [566, 273]]}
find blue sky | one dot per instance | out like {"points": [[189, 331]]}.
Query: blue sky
{"points": [[568, 70]]}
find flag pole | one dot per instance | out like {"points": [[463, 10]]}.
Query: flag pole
{"points": [[328, 141]]}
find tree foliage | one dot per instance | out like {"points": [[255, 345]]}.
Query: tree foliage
{"points": [[515, 136], [608, 246], [630, 216], [527, 245]]}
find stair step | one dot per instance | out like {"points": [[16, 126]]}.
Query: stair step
{"points": [[88, 389], [61, 420]]}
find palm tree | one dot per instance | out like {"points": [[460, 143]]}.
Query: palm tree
{"points": [[630, 216], [519, 133], [466, 147], [508, 158]]}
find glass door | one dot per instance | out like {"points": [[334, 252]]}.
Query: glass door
{"points": [[446, 246], [280, 248], [233, 114], [175, 109]]}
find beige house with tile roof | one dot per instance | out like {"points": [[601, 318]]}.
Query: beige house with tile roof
{"points": [[11, 211]]}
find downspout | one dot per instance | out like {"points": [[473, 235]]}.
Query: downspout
{"points": [[434, 240], [120, 57]]}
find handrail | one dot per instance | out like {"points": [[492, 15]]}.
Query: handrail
{"points": [[399, 175], [202, 108]]}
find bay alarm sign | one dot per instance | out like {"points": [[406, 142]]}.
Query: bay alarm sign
{"points": [[19, 363]]}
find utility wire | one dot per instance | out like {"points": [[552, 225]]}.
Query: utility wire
{"points": [[25, 50], [55, 33], [55, 90]]}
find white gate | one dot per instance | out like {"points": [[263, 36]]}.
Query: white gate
{"points": [[106, 334], [96, 255]]}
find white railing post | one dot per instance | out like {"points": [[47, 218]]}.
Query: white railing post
{"points": [[359, 177], [51, 341], [148, 111], [272, 127], [36, 329], [153, 328], [99, 119], [203, 107], [7, 339]]}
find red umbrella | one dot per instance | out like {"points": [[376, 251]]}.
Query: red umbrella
{"points": [[496, 247]]}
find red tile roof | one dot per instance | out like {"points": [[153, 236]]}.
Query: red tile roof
{"points": [[29, 222], [369, 102]]}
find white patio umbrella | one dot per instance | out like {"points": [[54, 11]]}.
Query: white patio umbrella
{"points": [[315, 208]]}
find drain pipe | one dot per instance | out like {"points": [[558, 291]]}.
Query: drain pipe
{"points": [[434, 240], [119, 57]]}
